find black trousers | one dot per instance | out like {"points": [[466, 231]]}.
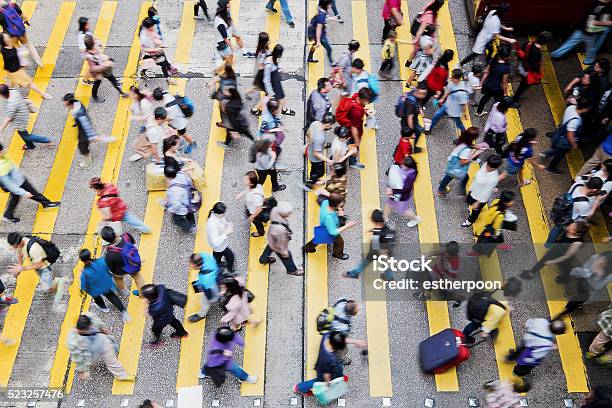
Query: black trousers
{"points": [[487, 94], [262, 175], [556, 251], [157, 328], [521, 88], [14, 199], [338, 248], [386, 66], [202, 4], [317, 170], [388, 27], [229, 258], [469, 58], [287, 262], [184, 222], [257, 222], [96, 85], [112, 297], [164, 65]]}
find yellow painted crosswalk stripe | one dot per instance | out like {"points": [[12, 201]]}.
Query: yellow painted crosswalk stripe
{"points": [[190, 357], [379, 362], [316, 262], [574, 158], [41, 80], [133, 332], [437, 311], [489, 266], [569, 347], [27, 8], [254, 361], [26, 283], [110, 172]]}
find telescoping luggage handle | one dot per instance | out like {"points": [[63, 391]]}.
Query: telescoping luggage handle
{"points": [[471, 345]]}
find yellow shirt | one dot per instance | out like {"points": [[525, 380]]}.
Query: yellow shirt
{"points": [[493, 217], [495, 313], [35, 254]]}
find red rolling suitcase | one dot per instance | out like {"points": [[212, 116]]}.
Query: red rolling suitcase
{"points": [[443, 350]]}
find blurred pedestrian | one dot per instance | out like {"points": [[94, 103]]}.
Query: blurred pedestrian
{"points": [[220, 358], [161, 309], [279, 235]]}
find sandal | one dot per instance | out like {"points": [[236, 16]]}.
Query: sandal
{"points": [[287, 111]]}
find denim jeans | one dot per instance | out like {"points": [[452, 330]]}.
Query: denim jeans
{"points": [[306, 386], [557, 155], [135, 222], [30, 139], [334, 8], [554, 233], [285, 7], [185, 222], [328, 48], [440, 113], [418, 129], [238, 371], [591, 43], [447, 179]]}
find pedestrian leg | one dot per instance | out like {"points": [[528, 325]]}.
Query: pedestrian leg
{"points": [[595, 161], [310, 246], [113, 364], [338, 248], [99, 301], [286, 11], [114, 299], [113, 80], [444, 183], [288, 263], [36, 196], [470, 57], [521, 88], [262, 175], [437, 116], [157, 329], [135, 222], [30, 139], [94, 89], [138, 280], [476, 209], [264, 258], [13, 200], [558, 156], [229, 259], [178, 327], [259, 226], [274, 178], [569, 44], [238, 371], [305, 386], [328, 48], [598, 345], [486, 95], [469, 330], [459, 123]]}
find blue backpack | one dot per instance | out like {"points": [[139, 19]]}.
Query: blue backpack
{"points": [[454, 168], [14, 22], [129, 255], [400, 105], [373, 85], [184, 103]]}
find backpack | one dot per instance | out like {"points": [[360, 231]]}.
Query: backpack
{"points": [[604, 101], [559, 139], [479, 304], [184, 103], [561, 212], [177, 298], [400, 105], [52, 253], [14, 22], [373, 85], [454, 168], [327, 317], [342, 111], [268, 204], [129, 255]]}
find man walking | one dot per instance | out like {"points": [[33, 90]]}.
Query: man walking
{"points": [[18, 113]]}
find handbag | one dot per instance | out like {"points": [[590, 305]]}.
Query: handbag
{"points": [[321, 236], [454, 168], [559, 137], [177, 298]]}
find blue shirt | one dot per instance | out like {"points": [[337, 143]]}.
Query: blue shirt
{"points": [[96, 279], [329, 219], [606, 146], [208, 275]]}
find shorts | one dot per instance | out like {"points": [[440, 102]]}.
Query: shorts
{"points": [[46, 278], [19, 78], [181, 132], [221, 55], [470, 200], [512, 168]]}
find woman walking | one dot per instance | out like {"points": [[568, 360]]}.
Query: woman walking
{"points": [[236, 303], [218, 230], [16, 73], [399, 191], [520, 151], [272, 79], [100, 66], [428, 17], [153, 48], [254, 202], [265, 160], [261, 53], [459, 160], [495, 80], [232, 109]]}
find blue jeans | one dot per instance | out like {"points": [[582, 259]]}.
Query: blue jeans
{"points": [[447, 179], [306, 386], [135, 222], [592, 44], [363, 263], [328, 48], [238, 371], [334, 8], [418, 129], [284, 6], [30, 139], [440, 113], [554, 233]]}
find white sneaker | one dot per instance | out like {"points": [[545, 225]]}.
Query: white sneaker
{"points": [[251, 379], [135, 157], [201, 375], [413, 223], [106, 139], [125, 316], [59, 291], [102, 309]]}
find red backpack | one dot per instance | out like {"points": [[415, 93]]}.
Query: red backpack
{"points": [[343, 111], [109, 198]]}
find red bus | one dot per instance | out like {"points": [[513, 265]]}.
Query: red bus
{"points": [[533, 12]]}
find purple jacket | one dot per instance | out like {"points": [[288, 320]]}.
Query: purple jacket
{"points": [[217, 359]]}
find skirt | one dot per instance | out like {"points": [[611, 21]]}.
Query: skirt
{"points": [[420, 62], [19, 78]]}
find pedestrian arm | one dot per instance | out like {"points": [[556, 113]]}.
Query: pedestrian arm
{"points": [[505, 81], [571, 85], [321, 156], [106, 213], [571, 137], [13, 188], [571, 251], [419, 33], [5, 123], [257, 211], [492, 318], [505, 39], [267, 80]]}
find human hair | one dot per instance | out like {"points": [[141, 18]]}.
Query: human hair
{"points": [[342, 132], [96, 183], [607, 164], [322, 83], [218, 208], [223, 13], [160, 113], [407, 132], [233, 92], [85, 256], [451, 248], [328, 118], [365, 94], [273, 105], [583, 103], [4, 90], [351, 308], [324, 4], [503, 53], [83, 23], [158, 94], [233, 287], [263, 41], [14, 238], [277, 53], [456, 74], [544, 37], [148, 22], [594, 183], [358, 63], [108, 234], [169, 143], [353, 45], [224, 334], [392, 34], [604, 64], [477, 69], [429, 30], [170, 168], [262, 145], [434, 7], [83, 322], [502, 9], [494, 161], [422, 86], [89, 42], [469, 136], [557, 326], [138, 93], [228, 72], [335, 200], [581, 227], [522, 141], [1, 146], [149, 292], [196, 259], [252, 176], [410, 163], [69, 97], [152, 12], [446, 57], [377, 216]]}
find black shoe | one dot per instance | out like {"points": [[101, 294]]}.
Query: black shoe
{"points": [[280, 187], [14, 220], [417, 149], [52, 204], [194, 318], [269, 261], [291, 24], [271, 10], [176, 335], [342, 257], [312, 60]]}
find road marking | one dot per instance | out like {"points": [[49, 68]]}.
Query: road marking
{"points": [[110, 171], [376, 310], [17, 314], [489, 266], [133, 332], [190, 357], [569, 347], [254, 360], [316, 262]]}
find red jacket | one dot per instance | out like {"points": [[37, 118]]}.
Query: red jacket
{"points": [[437, 78], [109, 198]]}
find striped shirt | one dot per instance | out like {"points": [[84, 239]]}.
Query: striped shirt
{"points": [[17, 110]]}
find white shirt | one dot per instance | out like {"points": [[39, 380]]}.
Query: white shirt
{"points": [[581, 209], [483, 184], [461, 151], [569, 114], [81, 41], [175, 115], [143, 108], [215, 233], [607, 187], [156, 135], [254, 198], [490, 27]]}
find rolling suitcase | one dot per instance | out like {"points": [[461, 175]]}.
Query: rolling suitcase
{"points": [[156, 181], [443, 350]]}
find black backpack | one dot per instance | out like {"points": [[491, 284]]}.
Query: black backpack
{"points": [[478, 305], [561, 212], [268, 204], [327, 317], [52, 253], [177, 298]]}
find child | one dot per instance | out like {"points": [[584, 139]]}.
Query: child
{"points": [[424, 57], [454, 101], [388, 54], [404, 147], [474, 79]]}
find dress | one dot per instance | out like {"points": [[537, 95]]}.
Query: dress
{"points": [[421, 59]]}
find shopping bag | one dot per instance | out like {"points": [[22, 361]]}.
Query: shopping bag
{"points": [[156, 181], [325, 394], [321, 236], [195, 171]]}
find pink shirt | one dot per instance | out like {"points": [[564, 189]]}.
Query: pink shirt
{"points": [[390, 4]]}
